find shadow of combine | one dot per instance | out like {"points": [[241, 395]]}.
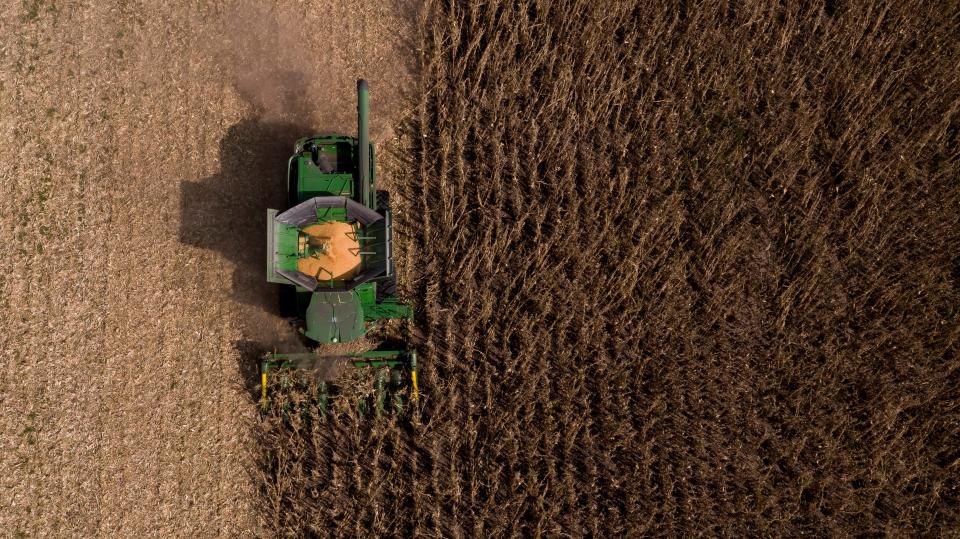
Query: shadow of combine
{"points": [[226, 213]]}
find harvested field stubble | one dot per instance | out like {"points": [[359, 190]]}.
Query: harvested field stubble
{"points": [[675, 271], [142, 144]]}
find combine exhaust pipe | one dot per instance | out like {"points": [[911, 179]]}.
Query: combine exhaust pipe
{"points": [[363, 161]]}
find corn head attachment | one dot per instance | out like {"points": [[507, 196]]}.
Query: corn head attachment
{"points": [[395, 376]]}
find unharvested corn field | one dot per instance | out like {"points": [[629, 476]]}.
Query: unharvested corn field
{"points": [[678, 271]]}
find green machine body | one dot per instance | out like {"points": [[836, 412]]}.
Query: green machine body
{"points": [[333, 246]]}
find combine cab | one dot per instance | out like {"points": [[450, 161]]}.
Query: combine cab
{"points": [[333, 248]]}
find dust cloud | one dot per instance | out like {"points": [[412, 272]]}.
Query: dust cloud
{"points": [[265, 64]]}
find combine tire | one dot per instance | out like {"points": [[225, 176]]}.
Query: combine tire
{"points": [[383, 202], [288, 302], [387, 288]]}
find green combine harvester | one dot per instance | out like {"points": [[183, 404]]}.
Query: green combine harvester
{"points": [[333, 247]]}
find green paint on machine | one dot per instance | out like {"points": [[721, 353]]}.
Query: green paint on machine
{"points": [[334, 317]]}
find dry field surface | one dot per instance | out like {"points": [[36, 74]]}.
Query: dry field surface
{"points": [[677, 271], [141, 144]]}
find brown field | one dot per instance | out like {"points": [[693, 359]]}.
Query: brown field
{"points": [[675, 272], [142, 144], [681, 271]]}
